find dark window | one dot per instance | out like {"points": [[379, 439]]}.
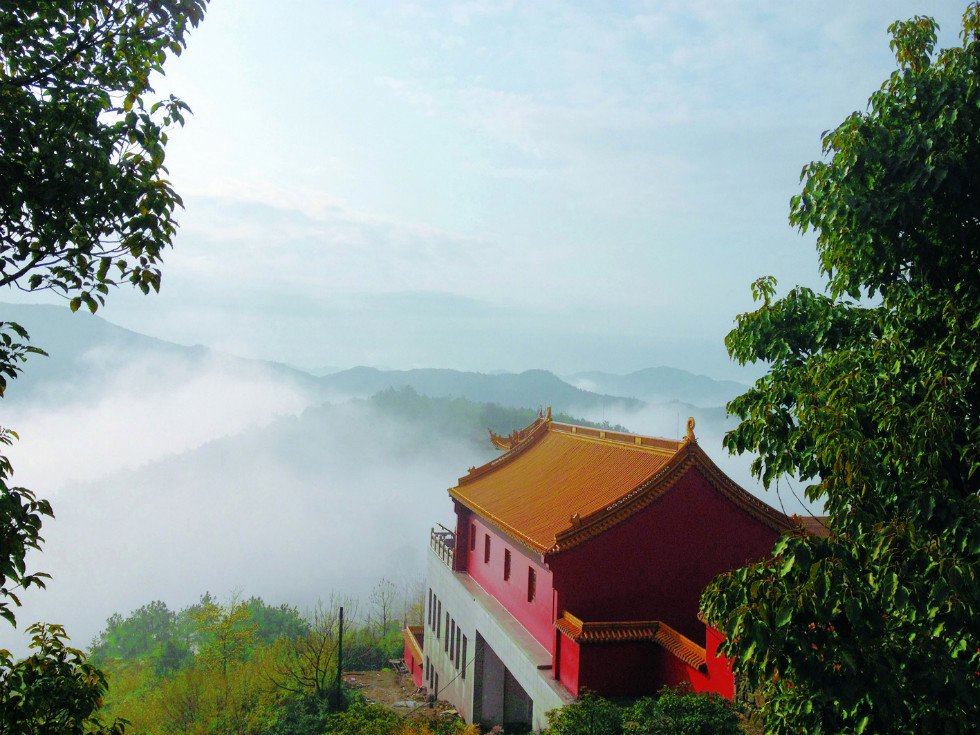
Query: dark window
{"points": [[445, 643], [472, 537], [439, 620], [464, 657], [429, 614], [458, 634], [506, 564], [452, 639], [486, 549], [530, 584]]}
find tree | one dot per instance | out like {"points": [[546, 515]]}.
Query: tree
{"points": [[308, 663], [84, 206], [144, 633], [871, 398], [590, 714], [54, 691], [20, 530], [228, 633], [273, 623], [384, 600]]}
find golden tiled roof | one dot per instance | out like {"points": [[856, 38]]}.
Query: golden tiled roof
{"points": [[559, 485], [557, 475], [652, 631]]}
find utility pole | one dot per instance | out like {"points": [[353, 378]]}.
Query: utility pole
{"points": [[339, 692]]}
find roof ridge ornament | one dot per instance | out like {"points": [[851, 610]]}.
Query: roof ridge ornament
{"points": [[690, 439]]}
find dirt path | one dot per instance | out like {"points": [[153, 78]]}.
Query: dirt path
{"points": [[397, 691]]}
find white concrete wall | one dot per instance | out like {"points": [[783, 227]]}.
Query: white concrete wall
{"points": [[475, 610]]}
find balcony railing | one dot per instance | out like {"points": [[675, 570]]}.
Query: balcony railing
{"points": [[443, 542]]}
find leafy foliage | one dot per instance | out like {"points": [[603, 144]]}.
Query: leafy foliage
{"points": [[681, 712], [874, 404], [20, 531], [365, 719], [673, 712], [309, 713], [86, 205], [239, 666], [13, 352], [144, 633], [590, 714], [53, 691], [275, 622]]}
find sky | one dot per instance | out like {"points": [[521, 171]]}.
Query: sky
{"points": [[491, 185]]}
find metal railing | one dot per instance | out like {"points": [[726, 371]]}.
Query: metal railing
{"points": [[444, 544]]}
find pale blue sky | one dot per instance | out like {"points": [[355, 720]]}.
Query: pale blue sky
{"points": [[500, 185]]}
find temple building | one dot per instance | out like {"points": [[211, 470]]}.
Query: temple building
{"points": [[577, 562]]}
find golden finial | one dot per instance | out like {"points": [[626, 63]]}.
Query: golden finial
{"points": [[549, 413], [690, 431]]}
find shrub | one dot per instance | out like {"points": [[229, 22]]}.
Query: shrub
{"points": [[365, 719], [644, 717], [310, 713], [590, 715], [682, 712]]}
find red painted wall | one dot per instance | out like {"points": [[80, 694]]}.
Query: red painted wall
{"points": [[416, 667], [655, 565], [537, 616], [719, 668], [569, 655], [620, 670], [639, 669]]}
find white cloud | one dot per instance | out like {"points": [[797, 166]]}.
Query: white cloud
{"points": [[143, 410]]}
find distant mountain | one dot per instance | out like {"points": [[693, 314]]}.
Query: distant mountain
{"points": [[661, 385], [324, 370], [83, 348], [530, 389]]}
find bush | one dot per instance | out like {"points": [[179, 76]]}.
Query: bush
{"points": [[365, 719], [644, 717], [590, 715], [310, 713], [682, 712]]}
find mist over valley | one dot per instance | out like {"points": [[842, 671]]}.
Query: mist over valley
{"points": [[177, 470]]}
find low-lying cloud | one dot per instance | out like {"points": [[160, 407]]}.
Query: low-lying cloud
{"points": [[172, 482]]}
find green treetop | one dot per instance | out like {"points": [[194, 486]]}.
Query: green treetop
{"points": [[871, 399]]}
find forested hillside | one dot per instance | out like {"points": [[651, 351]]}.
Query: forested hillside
{"points": [[242, 665]]}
